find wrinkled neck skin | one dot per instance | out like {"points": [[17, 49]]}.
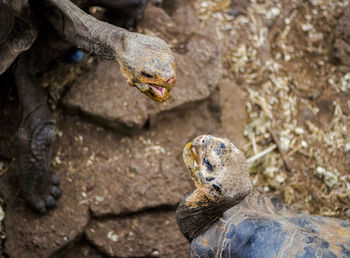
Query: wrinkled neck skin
{"points": [[145, 61], [82, 30], [197, 211]]}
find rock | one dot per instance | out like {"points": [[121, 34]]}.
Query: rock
{"points": [[142, 171], [187, 21], [152, 234], [324, 116], [168, 31], [239, 7], [80, 249], [341, 46], [104, 95], [234, 115]]}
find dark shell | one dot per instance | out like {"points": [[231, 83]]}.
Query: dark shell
{"points": [[6, 21], [242, 233]]}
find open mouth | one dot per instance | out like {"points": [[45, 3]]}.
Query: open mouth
{"points": [[191, 159], [154, 92], [159, 91]]}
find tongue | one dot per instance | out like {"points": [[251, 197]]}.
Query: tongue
{"points": [[160, 91]]}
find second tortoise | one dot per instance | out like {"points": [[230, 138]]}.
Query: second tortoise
{"points": [[225, 217]]}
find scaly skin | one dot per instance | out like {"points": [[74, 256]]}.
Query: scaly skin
{"points": [[225, 217], [39, 187], [145, 61]]}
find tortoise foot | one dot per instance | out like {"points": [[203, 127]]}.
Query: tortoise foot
{"points": [[44, 197], [38, 185]]}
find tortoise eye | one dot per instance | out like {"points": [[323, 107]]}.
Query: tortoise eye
{"points": [[209, 178], [207, 163], [146, 75]]}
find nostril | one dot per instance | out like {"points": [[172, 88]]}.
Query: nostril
{"points": [[146, 75], [171, 80]]}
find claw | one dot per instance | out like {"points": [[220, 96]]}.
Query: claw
{"points": [[55, 180], [50, 201], [40, 206], [55, 192]]}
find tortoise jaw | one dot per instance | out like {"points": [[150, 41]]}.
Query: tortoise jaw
{"points": [[157, 93], [191, 159], [154, 92]]}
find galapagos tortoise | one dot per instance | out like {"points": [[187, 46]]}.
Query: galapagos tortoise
{"points": [[225, 217], [145, 61]]}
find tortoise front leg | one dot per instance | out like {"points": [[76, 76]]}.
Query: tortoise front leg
{"points": [[35, 138]]}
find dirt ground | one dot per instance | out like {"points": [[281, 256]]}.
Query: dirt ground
{"points": [[266, 74], [290, 57]]}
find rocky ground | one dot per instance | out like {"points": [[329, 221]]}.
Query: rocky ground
{"points": [[263, 73]]}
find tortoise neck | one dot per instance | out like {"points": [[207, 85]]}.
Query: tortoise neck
{"points": [[83, 30], [196, 212]]}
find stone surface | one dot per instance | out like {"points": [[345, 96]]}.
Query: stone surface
{"points": [[138, 172], [104, 95], [81, 249], [152, 234], [341, 46], [234, 116]]}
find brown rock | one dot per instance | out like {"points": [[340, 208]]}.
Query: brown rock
{"points": [[79, 250], [168, 31], [147, 170], [234, 114], [104, 95], [341, 46], [152, 234]]}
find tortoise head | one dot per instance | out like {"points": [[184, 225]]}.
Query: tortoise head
{"points": [[218, 169], [220, 174], [148, 64]]}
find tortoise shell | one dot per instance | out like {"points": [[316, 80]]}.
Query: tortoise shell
{"points": [[6, 21], [247, 231]]}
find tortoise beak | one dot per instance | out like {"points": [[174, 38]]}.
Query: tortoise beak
{"points": [[191, 159], [156, 93]]}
